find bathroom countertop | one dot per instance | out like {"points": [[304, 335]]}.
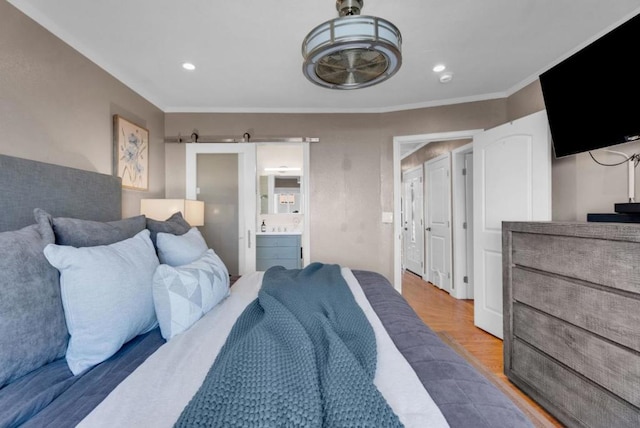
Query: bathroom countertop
{"points": [[288, 232]]}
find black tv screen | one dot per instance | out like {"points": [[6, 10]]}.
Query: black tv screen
{"points": [[592, 98]]}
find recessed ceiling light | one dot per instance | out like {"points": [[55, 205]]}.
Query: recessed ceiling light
{"points": [[188, 66], [446, 77], [438, 68]]}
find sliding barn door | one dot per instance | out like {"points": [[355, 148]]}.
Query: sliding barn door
{"points": [[230, 201]]}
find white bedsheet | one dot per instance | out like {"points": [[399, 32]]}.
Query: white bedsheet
{"points": [[157, 391]]}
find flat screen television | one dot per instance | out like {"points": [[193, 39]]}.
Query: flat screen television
{"points": [[592, 98]]}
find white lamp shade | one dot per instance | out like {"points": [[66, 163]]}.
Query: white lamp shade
{"points": [[162, 209]]}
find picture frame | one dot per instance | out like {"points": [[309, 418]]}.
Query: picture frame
{"points": [[131, 153]]}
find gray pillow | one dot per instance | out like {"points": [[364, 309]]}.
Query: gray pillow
{"points": [[175, 225], [87, 233], [32, 324]]}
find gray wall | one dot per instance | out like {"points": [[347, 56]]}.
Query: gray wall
{"points": [[56, 106]]}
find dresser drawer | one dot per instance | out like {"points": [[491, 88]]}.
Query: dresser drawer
{"points": [[587, 354], [577, 400], [596, 310]]}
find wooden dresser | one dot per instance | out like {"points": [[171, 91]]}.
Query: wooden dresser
{"points": [[572, 319]]}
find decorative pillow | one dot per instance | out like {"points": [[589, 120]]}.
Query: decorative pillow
{"points": [[87, 233], [107, 296], [182, 295], [175, 225], [177, 250], [32, 327]]}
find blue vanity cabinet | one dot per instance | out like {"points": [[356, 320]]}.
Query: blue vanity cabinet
{"points": [[278, 250]]}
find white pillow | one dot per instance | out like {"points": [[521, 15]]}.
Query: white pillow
{"points": [[182, 295], [107, 296], [177, 250]]}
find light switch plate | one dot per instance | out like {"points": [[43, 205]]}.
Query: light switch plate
{"points": [[387, 217]]}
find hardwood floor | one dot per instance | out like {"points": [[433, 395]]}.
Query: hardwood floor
{"points": [[443, 313]]}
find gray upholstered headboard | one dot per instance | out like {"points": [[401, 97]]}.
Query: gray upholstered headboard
{"points": [[59, 190]]}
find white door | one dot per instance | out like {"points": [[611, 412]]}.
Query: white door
{"points": [[246, 188], [413, 221], [511, 182], [438, 218]]}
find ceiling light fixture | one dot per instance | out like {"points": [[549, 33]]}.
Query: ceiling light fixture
{"points": [[351, 51], [188, 66], [438, 68]]}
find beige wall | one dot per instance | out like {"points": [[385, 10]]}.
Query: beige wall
{"points": [[351, 171], [56, 106]]}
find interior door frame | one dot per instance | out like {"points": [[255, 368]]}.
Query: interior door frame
{"points": [[246, 186], [398, 141]]}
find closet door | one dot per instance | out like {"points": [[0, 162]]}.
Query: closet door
{"points": [[224, 177]]}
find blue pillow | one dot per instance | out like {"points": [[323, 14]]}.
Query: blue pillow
{"points": [[182, 295], [176, 225], [107, 296], [176, 250]]}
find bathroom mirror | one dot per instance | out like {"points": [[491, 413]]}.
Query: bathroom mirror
{"points": [[280, 194], [279, 179]]}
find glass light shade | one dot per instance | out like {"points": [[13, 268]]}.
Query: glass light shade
{"points": [[352, 52], [162, 209]]}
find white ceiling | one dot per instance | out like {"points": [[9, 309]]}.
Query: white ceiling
{"points": [[248, 53]]}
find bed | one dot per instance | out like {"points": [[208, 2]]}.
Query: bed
{"points": [[156, 374]]}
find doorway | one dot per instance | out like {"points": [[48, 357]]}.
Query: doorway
{"points": [[511, 182], [401, 146]]}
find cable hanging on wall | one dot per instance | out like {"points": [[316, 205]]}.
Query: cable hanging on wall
{"points": [[632, 162]]}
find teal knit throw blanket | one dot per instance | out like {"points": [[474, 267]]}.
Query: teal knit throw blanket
{"points": [[303, 354]]}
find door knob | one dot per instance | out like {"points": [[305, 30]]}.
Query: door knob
{"points": [[428, 229]]}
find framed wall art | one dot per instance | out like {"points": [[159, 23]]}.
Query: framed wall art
{"points": [[131, 153]]}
